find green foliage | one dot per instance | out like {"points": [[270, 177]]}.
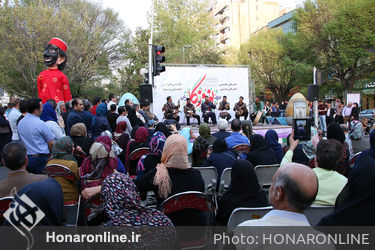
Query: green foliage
{"points": [[91, 32], [277, 61], [342, 33], [127, 77], [185, 26]]}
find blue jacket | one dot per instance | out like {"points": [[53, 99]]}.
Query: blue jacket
{"points": [[220, 161], [74, 117], [87, 118]]}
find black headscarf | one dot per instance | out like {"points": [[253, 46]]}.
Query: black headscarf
{"points": [[48, 196], [334, 131], [355, 205], [260, 152], [220, 146], [134, 120], [161, 127], [244, 191]]}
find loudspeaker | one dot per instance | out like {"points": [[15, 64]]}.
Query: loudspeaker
{"points": [[313, 92], [145, 91]]}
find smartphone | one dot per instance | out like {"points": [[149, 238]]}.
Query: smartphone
{"points": [[302, 129]]}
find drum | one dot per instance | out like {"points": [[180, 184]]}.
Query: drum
{"points": [[257, 118]]}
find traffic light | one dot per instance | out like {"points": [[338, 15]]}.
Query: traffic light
{"points": [[158, 58]]}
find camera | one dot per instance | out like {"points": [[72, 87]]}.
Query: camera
{"points": [[302, 129]]}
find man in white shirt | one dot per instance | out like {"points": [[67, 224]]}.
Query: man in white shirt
{"points": [[294, 188], [112, 100], [347, 112], [13, 117]]}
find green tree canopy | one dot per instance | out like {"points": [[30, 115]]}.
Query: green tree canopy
{"points": [[93, 35], [185, 25], [342, 33], [277, 61]]}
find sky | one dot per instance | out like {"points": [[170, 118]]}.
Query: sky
{"points": [[134, 12]]}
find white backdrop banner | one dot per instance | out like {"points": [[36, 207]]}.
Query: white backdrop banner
{"points": [[196, 83]]}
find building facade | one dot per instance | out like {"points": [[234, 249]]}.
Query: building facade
{"points": [[236, 20], [284, 22]]}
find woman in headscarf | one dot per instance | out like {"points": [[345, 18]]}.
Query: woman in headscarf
{"points": [[62, 153], [149, 161], [355, 204], [123, 204], [334, 131], [221, 158], [201, 144], [124, 210], [173, 175], [188, 134], [247, 128], [98, 165], [122, 139], [260, 152], [244, 191], [78, 133], [100, 122], [139, 141], [50, 118], [134, 120], [161, 127], [273, 141]]}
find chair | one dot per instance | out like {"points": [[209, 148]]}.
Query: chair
{"points": [[196, 201], [242, 214], [209, 175], [72, 213], [4, 205], [71, 208], [315, 213], [241, 148], [54, 170], [353, 159], [134, 157], [225, 181], [265, 174]]}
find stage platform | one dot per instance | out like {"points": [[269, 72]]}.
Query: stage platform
{"points": [[282, 130]]}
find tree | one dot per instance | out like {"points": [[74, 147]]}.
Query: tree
{"points": [[135, 51], [186, 30], [277, 61], [342, 32], [92, 34]]}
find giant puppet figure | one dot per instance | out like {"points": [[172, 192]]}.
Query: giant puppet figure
{"points": [[52, 82]]}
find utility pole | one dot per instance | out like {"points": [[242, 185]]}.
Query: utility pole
{"points": [[150, 73], [315, 101]]}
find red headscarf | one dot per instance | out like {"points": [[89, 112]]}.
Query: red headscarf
{"points": [[121, 127], [141, 134]]}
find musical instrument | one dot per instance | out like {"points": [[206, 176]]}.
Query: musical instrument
{"points": [[257, 117], [227, 106]]}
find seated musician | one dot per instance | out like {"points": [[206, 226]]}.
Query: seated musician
{"points": [[224, 106], [258, 106], [189, 111], [241, 109], [171, 110], [208, 110]]}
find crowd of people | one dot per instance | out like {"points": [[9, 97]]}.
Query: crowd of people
{"points": [[100, 144]]}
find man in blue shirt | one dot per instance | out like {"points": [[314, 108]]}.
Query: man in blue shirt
{"points": [[236, 138], [36, 136], [75, 116]]}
